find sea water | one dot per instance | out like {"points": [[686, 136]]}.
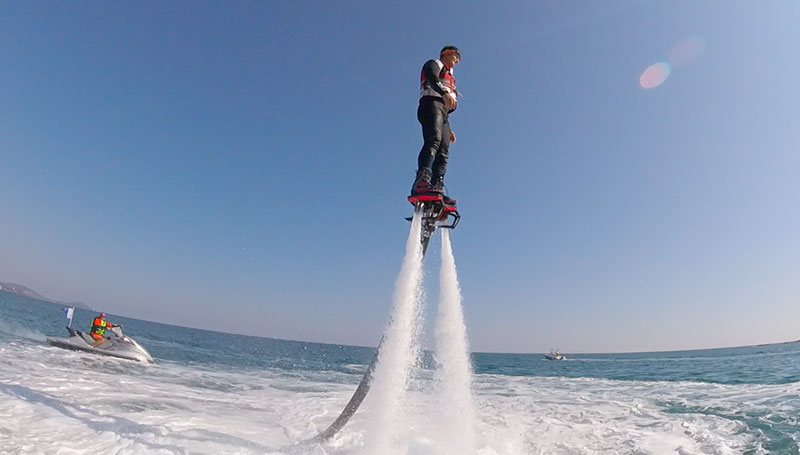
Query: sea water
{"points": [[216, 393]]}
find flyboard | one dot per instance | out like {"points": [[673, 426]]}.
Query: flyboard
{"points": [[435, 214]]}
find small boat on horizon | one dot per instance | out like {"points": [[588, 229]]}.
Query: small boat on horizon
{"points": [[555, 355]]}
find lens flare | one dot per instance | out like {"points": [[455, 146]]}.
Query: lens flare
{"points": [[654, 75], [687, 51]]}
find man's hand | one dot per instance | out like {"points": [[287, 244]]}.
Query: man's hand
{"points": [[450, 101], [452, 137]]}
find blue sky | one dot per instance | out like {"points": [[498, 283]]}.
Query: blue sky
{"points": [[243, 166]]}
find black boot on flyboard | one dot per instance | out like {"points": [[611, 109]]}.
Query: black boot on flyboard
{"points": [[436, 207]]}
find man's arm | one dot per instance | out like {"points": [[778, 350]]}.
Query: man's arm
{"points": [[431, 71]]}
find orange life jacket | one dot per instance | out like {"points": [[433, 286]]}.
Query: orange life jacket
{"points": [[99, 326]]}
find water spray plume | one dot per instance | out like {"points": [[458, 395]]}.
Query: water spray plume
{"points": [[454, 375], [399, 353]]}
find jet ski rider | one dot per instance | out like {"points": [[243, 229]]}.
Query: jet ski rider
{"points": [[98, 330]]}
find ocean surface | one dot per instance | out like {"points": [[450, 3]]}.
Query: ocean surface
{"points": [[216, 393]]}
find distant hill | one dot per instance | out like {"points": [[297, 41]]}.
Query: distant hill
{"points": [[19, 289]]}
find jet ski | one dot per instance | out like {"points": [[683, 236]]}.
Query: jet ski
{"points": [[119, 345]]}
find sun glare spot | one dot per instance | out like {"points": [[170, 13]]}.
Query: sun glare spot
{"points": [[654, 75], [687, 51]]}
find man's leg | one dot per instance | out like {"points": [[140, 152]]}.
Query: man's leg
{"points": [[440, 164], [432, 118], [442, 155], [98, 340]]}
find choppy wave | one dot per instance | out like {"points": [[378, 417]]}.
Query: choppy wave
{"points": [[201, 401], [56, 398]]}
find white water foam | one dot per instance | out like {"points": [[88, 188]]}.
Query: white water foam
{"points": [[455, 426], [18, 330], [57, 401], [399, 354]]}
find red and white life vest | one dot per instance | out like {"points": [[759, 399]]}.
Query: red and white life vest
{"points": [[445, 78]]}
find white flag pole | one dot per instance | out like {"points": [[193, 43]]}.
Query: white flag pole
{"points": [[70, 314]]}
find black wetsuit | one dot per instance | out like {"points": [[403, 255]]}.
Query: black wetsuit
{"points": [[435, 82]]}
